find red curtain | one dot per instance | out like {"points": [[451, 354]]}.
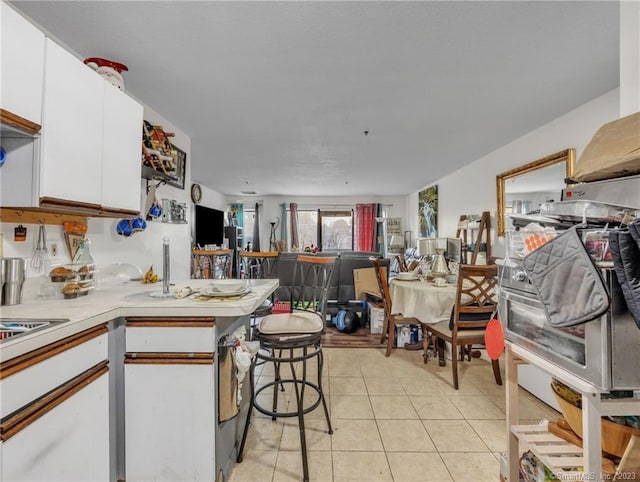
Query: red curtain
{"points": [[366, 226]]}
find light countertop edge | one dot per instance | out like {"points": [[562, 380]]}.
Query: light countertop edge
{"points": [[108, 303]]}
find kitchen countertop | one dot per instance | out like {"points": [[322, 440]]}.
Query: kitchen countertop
{"points": [[129, 299]]}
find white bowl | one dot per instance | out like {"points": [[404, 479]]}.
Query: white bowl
{"points": [[229, 285]]}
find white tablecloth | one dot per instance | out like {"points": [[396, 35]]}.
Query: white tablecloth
{"points": [[422, 300]]}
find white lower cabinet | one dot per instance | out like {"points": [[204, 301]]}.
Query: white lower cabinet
{"points": [[170, 399], [55, 411], [68, 443], [169, 422]]}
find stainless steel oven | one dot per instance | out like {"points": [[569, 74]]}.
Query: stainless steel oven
{"points": [[604, 351]]}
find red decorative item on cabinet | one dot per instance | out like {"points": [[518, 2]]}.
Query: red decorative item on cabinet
{"points": [[109, 69]]}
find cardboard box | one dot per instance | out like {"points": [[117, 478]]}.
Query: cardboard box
{"points": [[376, 319], [364, 280]]}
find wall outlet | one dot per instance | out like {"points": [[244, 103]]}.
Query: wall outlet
{"points": [[53, 248]]}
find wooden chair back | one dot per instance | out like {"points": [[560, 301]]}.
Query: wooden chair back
{"points": [[402, 263], [476, 298], [259, 264]]}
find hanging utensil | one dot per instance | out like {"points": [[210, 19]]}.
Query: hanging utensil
{"points": [[37, 259], [45, 250]]}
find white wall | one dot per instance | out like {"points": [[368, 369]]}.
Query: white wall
{"points": [[472, 189], [629, 58], [142, 249]]}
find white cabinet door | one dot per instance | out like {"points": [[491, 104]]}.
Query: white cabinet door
{"points": [[70, 443], [71, 162], [169, 422], [121, 150], [22, 65]]}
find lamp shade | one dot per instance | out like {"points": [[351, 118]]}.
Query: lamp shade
{"points": [[426, 247], [396, 241]]}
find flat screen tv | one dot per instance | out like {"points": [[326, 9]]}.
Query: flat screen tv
{"points": [[209, 226]]}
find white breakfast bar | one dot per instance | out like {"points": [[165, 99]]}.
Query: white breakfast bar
{"points": [[126, 389]]}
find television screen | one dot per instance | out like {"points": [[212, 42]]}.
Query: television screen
{"points": [[209, 226]]}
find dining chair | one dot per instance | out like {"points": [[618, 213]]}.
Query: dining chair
{"points": [[390, 319], [294, 339], [475, 305], [402, 263]]}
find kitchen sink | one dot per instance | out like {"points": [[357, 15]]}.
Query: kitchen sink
{"points": [[11, 328]]}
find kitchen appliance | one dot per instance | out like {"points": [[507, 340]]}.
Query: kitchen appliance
{"points": [[623, 191], [14, 272], [603, 351]]}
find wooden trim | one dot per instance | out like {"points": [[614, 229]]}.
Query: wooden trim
{"points": [[165, 358], [212, 252], [38, 216], [21, 419], [258, 254], [73, 206], [22, 362], [171, 322], [107, 212], [20, 123], [303, 258]]}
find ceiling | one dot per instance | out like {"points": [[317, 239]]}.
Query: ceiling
{"points": [[278, 96]]}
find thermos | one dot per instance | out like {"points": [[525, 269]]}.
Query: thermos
{"points": [[14, 272]]}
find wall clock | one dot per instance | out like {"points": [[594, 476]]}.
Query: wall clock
{"points": [[196, 193]]}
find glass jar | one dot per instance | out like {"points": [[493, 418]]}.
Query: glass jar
{"points": [[83, 255]]}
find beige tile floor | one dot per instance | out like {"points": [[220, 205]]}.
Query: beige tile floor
{"points": [[394, 419]]}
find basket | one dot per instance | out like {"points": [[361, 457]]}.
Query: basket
{"points": [[615, 437]]}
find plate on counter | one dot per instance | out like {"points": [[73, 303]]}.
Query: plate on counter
{"points": [[215, 293]]}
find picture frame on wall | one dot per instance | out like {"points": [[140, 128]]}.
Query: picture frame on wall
{"points": [[180, 159], [428, 212]]}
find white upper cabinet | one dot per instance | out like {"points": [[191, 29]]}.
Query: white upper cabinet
{"points": [[121, 150], [72, 122], [22, 65]]}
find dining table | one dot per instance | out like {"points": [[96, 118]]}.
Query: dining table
{"points": [[422, 299]]}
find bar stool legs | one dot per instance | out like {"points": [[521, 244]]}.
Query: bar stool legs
{"points": [[286, 354]]}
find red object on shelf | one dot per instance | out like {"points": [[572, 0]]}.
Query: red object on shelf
{"points": [[118, 67]]}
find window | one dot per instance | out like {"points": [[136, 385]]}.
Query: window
{"points": [[336, 230], [248, 220], [307, 228]]}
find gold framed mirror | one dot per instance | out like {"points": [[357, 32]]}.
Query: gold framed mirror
{"points": [[543, 175]]}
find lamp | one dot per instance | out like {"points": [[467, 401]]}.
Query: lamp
{"points": [[275, 222], [426, 247], [396, 242]]}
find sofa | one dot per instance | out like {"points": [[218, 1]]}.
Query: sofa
{"points": [[341, 288]]}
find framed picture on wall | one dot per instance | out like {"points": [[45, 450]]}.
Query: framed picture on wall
{"points": [[428, 213], [176, 178]]}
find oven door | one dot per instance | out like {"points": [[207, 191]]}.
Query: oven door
{"points": [[583, 350]]}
